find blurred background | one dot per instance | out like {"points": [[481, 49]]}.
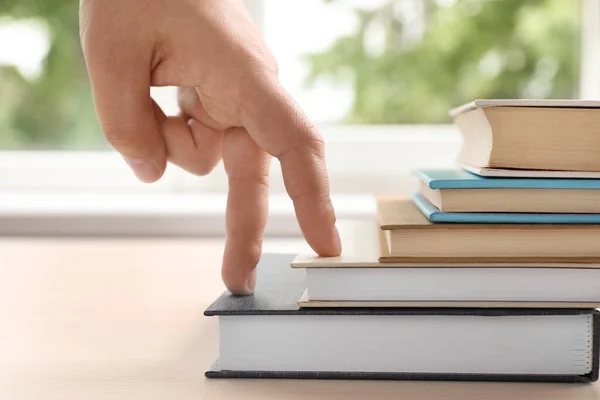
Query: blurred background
{"points": [[359, 62], [377, 77]]}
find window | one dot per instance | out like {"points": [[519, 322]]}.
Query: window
{"points": [[45, 99], [365, 62], [378, 77], [410, 61]]}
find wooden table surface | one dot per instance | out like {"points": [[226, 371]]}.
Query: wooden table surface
{"points": [[115, 319]]}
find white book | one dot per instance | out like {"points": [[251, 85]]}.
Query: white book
{"points": [[357, 276], [483, 284]]}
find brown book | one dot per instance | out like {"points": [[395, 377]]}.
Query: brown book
{"points": [[411, 237], [553, 135]]}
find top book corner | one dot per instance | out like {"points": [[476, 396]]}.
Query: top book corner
{"points": [[543, 103]]}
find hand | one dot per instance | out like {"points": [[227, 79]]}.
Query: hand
{"points": [[233, 108]]}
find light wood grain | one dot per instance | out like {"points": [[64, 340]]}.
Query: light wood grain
{"points": [[122, 320]]}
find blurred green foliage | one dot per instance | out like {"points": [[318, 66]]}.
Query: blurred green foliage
{"points": [[54, 110], [468, 49]]}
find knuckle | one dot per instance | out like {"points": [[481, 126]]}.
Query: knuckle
{"points": [[315, 193], [82, 33], [260, 180], [311, 144], [275, 65], [314, 143], [259, 58], [91, 41], [189, 101], [121, 139], [83, 22], [247, 245]]}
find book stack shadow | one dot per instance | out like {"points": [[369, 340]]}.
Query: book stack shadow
{"points": [[489, 271]]}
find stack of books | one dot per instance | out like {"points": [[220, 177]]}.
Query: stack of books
{"points": [[491, 271]]}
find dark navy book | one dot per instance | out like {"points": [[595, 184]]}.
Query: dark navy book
{"points": [[267, 335]]}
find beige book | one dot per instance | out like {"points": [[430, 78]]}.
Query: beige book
{"points": [[411, 237], [578, 201], [532, 135], [364, 247]]}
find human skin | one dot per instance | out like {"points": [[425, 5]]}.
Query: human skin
{"points": [[232, 108]]}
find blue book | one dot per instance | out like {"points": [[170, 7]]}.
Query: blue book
{"points": [[459, 191], [435, 215], [461, 179]]}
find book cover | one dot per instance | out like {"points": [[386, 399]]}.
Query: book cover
{"points": [[279, 288], [400, 214], [437, 216]]}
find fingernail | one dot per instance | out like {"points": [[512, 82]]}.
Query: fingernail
{"points": [[251, 282], [337, 240], [144, 170]]}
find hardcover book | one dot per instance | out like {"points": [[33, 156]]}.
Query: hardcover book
{"points": [[357, 279], [267, 335], [433, 214], [411, 237], [559, 135], [456, 190]]}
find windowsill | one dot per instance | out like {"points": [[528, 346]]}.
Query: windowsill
{"points": [[360, 159], [101, 214], [95, 194]]}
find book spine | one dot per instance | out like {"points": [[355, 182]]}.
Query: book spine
{"points": [[394, 376]]}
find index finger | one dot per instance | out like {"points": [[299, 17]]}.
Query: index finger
{"points": [[282, 129]]}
